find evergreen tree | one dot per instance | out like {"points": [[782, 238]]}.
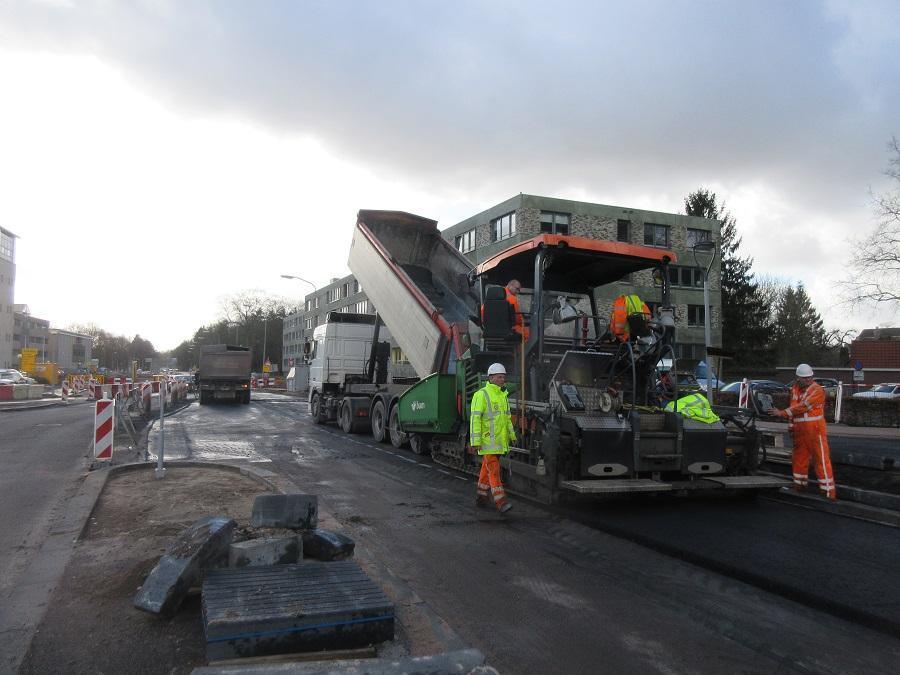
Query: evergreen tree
{"points": [[800, 336], [746, 328]]}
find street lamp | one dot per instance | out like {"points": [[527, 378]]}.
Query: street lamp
{"points": [[706, 246], [291, 276]]}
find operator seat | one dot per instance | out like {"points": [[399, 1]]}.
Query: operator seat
{"points": [[497, 318]]}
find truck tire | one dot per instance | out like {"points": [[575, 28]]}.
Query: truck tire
{"points": [[398, 438], [315, 408], [420, 444], [379, 422], [345, 418]]}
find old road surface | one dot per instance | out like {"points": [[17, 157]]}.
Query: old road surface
{"points": [[726, 585], [42, 454]]}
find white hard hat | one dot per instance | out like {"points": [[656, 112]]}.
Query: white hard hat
{"points": [[496, 369], [804, 370]]}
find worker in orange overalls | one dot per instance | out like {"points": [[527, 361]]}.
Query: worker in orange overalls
{"points": [[512, 290], [806, 417], [623, 307]]}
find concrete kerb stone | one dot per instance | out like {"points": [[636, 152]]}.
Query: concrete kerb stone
{"points": [[459, 661], [266, 551], [203, 545], [296, 511]]}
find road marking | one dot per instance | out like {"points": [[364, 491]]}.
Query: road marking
{"points": [[446, 473]]}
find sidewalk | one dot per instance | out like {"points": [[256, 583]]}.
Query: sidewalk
{"points": [[90, 624]]}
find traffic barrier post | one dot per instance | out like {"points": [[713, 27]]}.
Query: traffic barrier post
{"points": [[837, 402], [103, 428], [744, 396], [65, 392]]}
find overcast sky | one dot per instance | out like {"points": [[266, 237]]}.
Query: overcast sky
{"points": [[158, 155]]}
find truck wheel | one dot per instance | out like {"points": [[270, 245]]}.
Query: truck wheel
{"points": [[379, 422], [346, 419], [315, 409], [398, 438], [419, 444]]}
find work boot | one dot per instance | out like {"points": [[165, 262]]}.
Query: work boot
{"points": [[504, 507], [482, 501]]}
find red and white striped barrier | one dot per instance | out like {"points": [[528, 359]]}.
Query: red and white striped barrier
{"points": [[65, 391], [103, 428], [744, 396]]}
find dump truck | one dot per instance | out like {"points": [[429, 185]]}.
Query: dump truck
{"points": [[224, 373], [352, 380], [589, 415]]}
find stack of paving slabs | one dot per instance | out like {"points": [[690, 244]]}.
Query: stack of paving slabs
{"points": [[269, 603]]}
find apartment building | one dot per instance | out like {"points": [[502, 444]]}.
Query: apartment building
{"points": [[8, 357]]}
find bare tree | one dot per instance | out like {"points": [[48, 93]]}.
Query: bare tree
{"points": [[875, 259]]}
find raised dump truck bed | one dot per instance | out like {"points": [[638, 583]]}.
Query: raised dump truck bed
{"points": [[415, 279]]}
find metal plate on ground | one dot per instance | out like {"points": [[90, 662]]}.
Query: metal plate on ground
{"points": [[742, 482], [615, 486], [311, 606]]}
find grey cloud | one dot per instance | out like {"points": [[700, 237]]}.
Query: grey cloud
{"points": [[525, 93]]}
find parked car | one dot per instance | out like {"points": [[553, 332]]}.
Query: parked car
{"points": [[765, 386], [13, 376], [701, 375], [888, 390], [827, 382]]}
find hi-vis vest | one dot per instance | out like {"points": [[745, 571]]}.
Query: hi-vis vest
{"points": [[490, 424], [694, 407], [623, 307]]}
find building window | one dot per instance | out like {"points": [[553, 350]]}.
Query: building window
{"points": [[331, 295], [465, 242], [397, 356], [656, 235], [362, 307], [689, 351], [310, 322], [683, 277], [7, 246], [554, 223], [695, 236], [696, 315], [503, 227], [356, 287], [623, 230]]}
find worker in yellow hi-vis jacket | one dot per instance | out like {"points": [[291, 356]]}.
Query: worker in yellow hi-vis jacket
{"points": [[490, 433]]}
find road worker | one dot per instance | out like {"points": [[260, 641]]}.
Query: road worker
{"points": [[512, 291], [490, 433], [623, 307], [806, 420]]}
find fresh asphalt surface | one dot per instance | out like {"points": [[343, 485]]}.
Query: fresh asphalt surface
{"points": [[551, 590], [42, 455]]}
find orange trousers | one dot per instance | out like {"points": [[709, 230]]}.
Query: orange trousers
{"points": [[811, 443], [489, 479]]}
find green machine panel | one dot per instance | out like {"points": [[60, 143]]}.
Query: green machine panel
{"points": [[429, 406]]}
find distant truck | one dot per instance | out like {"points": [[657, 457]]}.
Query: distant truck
{"points": [[224, 373]]}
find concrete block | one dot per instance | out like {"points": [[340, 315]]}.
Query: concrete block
{"points": [[35, 391], [296, 511], [327, 545], [201, 546], [20, 392], [266, 551], [281, 609]]}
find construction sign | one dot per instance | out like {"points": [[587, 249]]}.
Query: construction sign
{"points": [[267, 366], [29, 356]]}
